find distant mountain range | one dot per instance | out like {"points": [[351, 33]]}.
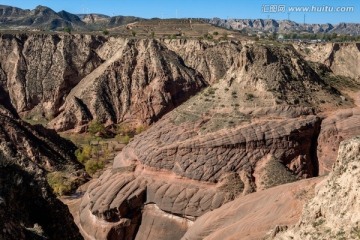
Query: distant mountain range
{"points": [[285, 26], [44, 18]]}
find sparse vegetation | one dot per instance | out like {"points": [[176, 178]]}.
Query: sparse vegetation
{"points": [[93, 157], [59, 182], [95, 127], [249, 96], [233, 185], [92, 166], [67, 30], [277, 174], [123, 138]]}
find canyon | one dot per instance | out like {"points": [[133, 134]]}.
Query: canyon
{"points": [[241, 135]]}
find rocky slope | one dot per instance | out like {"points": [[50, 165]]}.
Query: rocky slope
{"points": [[28, 207], [342, 58], [73, 77], [39, 18], [140, 82], [334, 211], [232, 139], [254, 215], [212, 60], [38, 71], [44, 18], [284, 26], [330, 209]]}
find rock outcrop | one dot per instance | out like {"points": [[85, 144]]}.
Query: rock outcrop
{"points": [[342, 58], [210, 59], [142, 81], [253, 216], [339, 126], [334, 211], [28, 207], [38, 71]]}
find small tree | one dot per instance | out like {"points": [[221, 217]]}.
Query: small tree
{"points": [[84, 154], [225, 35], [106, 32], [96, 127], [133, 33], [67, 30]]}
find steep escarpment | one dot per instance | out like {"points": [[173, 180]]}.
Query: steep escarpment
{"points": [[39, 146], [78, 78], [142, 81], [38, 71], [342, 58], [337, 127], [29, 209], [338, 64], [211, 59], [227, 141], [334, 211]]}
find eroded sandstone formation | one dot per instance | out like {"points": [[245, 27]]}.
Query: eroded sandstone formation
{"points": [[142, 81], [342, 58], [219, 145], [334, 211]]}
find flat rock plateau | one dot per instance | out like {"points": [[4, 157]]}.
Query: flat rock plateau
{"points": [[241, 142]]}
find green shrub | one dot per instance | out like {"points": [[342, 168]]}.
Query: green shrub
{"points": [[105, 32], [67, 30], [123, 138], [140, 129], [95, 127], [59, 183], [92, 166], [84, 154], [249, 96]]}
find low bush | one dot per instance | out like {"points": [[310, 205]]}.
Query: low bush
{"points": [[92, 166], [59, 183]]}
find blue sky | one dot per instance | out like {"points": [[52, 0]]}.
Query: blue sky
{"points": [[199, 8]]}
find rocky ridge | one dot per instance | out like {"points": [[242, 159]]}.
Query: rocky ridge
{"points": [[284, 26], [28, 206], [142, 81]]}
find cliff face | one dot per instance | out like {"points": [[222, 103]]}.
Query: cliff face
{"points": [[334, 211], [140, 82], [342, 58], [28, 207], [212, 60], [77, 78], [38, 71]]}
